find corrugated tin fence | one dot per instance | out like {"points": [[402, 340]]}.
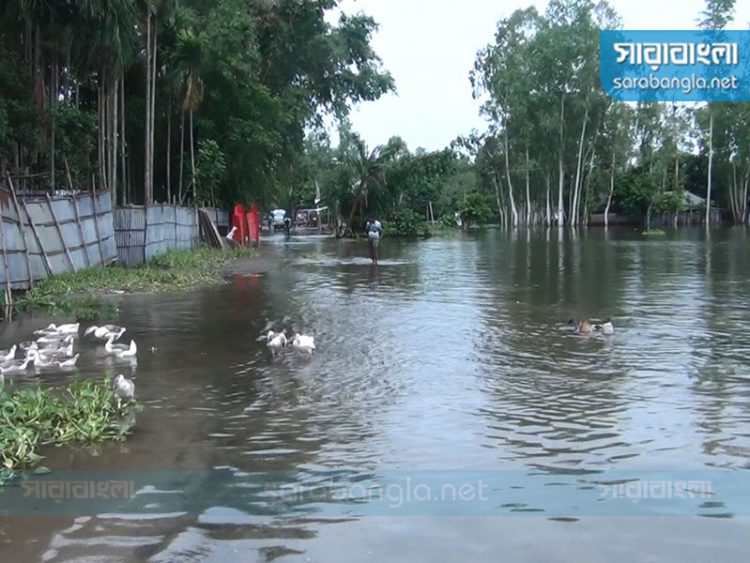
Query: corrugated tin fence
{"points": [[143, 233], [42, 237]]}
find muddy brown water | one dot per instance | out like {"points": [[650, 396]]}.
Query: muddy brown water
{"points": [[449, 365]]}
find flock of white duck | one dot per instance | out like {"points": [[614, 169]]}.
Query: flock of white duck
{"points": [[277, 342], [54, 347]]}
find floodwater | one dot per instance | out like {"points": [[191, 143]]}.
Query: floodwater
{"points": [[450, 362]]}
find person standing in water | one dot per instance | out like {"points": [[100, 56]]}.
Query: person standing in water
{"points": [[374, 230]]}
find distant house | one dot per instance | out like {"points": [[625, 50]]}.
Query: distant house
{"points": [[691, 202]]}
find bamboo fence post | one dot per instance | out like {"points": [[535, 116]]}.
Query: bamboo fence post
{"points": [[47, 265], [8, 289], [80, 230], [21, 229], [60, 233], [96, 226]]}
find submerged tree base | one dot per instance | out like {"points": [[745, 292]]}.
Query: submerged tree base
{"points": [[173, 271], [85, 412]]}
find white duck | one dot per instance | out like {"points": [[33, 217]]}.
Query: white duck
{"points": [[103, 332], [607, 328], [39, 360], [7, 355], [304, 343], [120, 350], [124, 388], [71, 328], [56, 340], [69, 363], [276, 341], [15, 366]]}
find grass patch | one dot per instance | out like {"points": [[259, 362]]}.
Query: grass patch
{"points": [[84, 412], [173, 271]]}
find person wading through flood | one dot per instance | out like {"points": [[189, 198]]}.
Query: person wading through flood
{"points": [[374, 230]]}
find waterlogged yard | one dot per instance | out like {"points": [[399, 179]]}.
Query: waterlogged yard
{"points": [[447, 412]]}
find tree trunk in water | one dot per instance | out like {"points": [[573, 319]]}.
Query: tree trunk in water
{"points": [[577, 186], [548, 216], [182, 155], [169, 151], [528, 190], [710, 168], [513, 210], [611, 190], [733, 193], [746, 185], [587, 191], [497, 199], [192, 158], [560, 210]]}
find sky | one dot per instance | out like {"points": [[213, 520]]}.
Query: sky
{"points": [[429, 46]]}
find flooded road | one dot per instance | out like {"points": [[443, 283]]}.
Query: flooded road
{"points": [[450, 364]]}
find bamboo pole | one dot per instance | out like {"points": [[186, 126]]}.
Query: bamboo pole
{"points": [[8, 289], [21, 229], [67, 171], [47, 265], [80, 231], [60, 233]]}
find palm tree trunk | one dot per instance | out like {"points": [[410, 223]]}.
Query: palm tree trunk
{"points": [[147, 145], [192, 159], [182, 155], [155, 28], [113, 160], [169, 151], [122, 141], [53, 123]]}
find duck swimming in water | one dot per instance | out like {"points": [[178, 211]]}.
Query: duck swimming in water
{"points": [[120, 350], [53, 329], [304, 343], [103, 332], [276, 341], [606, 327], [582, 327]]}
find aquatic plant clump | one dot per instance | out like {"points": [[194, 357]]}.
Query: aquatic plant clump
{"points": [[173, 271], [84, 412]]}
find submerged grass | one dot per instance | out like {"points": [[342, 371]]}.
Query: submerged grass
{"points": [[84, 412], [173, 271]]}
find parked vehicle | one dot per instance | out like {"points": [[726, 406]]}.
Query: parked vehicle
{"points": [[278, 219]]}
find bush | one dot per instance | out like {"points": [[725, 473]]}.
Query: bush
{"points": [[404, 223]]}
